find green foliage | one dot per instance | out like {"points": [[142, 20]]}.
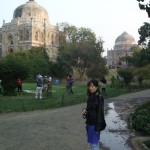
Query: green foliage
{"points": [[24, 65], [39, 61], [126, 74], [144, 33], [143, 57], [141, 119], [140, 78], [118, 83], [12, 68], [97, 70], [145, 71], [147, 143], [82, 47], [60, 68], [140, 58], [87, 57], [145, 6]]}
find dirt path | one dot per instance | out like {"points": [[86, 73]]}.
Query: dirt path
{"points": [[56, 129]]}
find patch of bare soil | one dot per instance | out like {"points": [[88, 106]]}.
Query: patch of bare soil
{"points": [[137, 142]]}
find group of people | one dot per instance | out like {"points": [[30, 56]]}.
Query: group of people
{"points": [[43, 84], [118, 81]]}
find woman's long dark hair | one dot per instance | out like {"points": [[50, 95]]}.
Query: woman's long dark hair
{"points": [[95, 83]]}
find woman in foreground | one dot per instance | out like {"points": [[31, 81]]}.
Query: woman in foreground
{"points": [[94, 114]]}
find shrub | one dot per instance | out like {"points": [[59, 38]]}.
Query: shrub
{"points": [[126, 74], [147, 143], [12, 68], [140, 120]]}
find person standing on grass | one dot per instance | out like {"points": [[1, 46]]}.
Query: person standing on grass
{"points": [[94, 114], [103, 85], [113, 81], [67, 81], [19, 86], [0, 86], [39, 88], [45, 83], [49, 87], [70, 85]]}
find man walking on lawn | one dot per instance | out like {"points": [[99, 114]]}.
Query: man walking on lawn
{"points": [[39, 88]]}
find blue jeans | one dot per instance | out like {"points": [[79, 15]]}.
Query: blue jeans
{"points": [[94, 146]]}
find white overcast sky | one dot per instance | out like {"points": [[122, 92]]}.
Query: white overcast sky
{"points": [[107, 18]]}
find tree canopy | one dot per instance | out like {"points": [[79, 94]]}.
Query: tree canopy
{"points": [[82, 47], [145, 5], [144, 32], [12, 68]]}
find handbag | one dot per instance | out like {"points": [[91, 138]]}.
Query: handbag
{"points": [[103, 125]]}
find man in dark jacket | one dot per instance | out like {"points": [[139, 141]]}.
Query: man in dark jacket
{"points": [[70, 84]]}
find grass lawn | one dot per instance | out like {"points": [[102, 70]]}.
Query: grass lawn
{"points": [[58, 98]]}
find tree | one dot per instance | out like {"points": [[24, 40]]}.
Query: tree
{"points": [[38, 59], [82, 47], [126, 74], [139, 58], [67, 40], [97, 71], [87, 54], [60, 68], [145, 6], [12, 68], [82, 55], [73, 43], [144, 33], [68, 33], [98, 67], [145, 71]]}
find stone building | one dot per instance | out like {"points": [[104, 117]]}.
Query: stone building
{"points": [[30, 27], [123, 47]]}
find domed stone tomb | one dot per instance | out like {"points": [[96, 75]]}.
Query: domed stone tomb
{"points": [[124, 41], [123, 47], [30, 27], [31, 10]]}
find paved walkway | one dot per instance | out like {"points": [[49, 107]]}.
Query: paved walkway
{"points": [[56, 129], [141, 94]]}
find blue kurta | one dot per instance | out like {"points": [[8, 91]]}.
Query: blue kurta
{"points": [[92, 136]]}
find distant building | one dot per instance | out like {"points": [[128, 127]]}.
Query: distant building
{"points": [[123, 47], [30, 27]]}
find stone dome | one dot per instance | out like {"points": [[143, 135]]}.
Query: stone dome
{"points": [[123, 41], [31, 10]]}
